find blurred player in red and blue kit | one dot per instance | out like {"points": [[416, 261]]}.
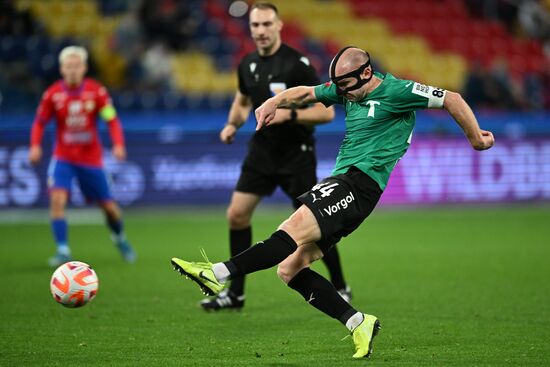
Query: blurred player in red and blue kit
{"points": [[76, 102]]}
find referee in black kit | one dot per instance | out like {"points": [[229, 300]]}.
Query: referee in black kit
{"points": [[279, 155]]}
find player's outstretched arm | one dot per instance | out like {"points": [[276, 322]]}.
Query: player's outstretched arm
{"points": [[238, 114], [108, 113], [314, 115], [43, 114], [119, 152], [37, 131], [289, 98], [35, 154], [116, 132], [464, 116]]}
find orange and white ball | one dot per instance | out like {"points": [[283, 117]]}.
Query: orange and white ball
{"points": [[74, 284]]}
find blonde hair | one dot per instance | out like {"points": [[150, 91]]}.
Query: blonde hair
{"points": [[73, 50]]}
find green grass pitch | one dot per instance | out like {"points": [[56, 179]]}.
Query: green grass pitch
{"points": [[459, 286]]}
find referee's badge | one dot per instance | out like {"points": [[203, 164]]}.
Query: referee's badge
{"points": [[276, 88]]}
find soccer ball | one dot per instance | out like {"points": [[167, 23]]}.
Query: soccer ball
{"points": [[74, 284]]}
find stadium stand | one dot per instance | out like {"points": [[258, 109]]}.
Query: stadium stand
{"points": [[148, 66]]}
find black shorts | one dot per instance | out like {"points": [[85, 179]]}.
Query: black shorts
{"points": [[341, 203], [261, 174]]}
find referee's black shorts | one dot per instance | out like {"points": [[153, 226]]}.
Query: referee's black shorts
{"points": [[261, 174], [341, 203]]}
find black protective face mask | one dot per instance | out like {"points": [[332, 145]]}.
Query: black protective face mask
{"points": [[356, 74]]}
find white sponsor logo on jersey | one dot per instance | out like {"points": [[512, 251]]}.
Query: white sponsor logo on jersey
{"points": [[75, 107], [81, 137], [371, 107], [76, 117]]}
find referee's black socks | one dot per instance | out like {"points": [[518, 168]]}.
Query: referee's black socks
{"points": [[322, 295], [262, 255], [334, 266], [239, 240]]}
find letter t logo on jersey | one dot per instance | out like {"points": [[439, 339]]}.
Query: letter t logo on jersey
{"points": [[371, 109]]}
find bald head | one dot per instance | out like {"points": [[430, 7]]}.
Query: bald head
{"points": [[351, 59], [349, 71]]}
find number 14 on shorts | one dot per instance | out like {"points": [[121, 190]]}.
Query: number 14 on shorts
{"points": [[325, 188]]}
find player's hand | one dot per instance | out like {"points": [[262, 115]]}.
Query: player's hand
{"points": [[265, 113], [119, 152], [227, 135], [281, 115], [35, 154], [485, 141]]}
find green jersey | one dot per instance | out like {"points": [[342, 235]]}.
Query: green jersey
{"points": [[379, 127]]}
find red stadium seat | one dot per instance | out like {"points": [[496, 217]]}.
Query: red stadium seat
{"points": [[447, 25]]}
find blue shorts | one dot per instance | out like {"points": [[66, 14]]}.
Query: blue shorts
{"points": [[92, 181]]}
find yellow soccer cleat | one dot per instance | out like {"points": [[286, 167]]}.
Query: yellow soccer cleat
{"points": [[200, 273], [364, 334]]}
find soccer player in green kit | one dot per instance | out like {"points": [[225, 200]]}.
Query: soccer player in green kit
{"points": [[380, 117]]}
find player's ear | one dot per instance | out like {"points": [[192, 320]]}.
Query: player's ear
{"points": [[367, 72]]}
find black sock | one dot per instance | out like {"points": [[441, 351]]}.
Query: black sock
{"points": [[321, 294], [115, 225], [262, 255], [332, 261], [239, 240]]}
